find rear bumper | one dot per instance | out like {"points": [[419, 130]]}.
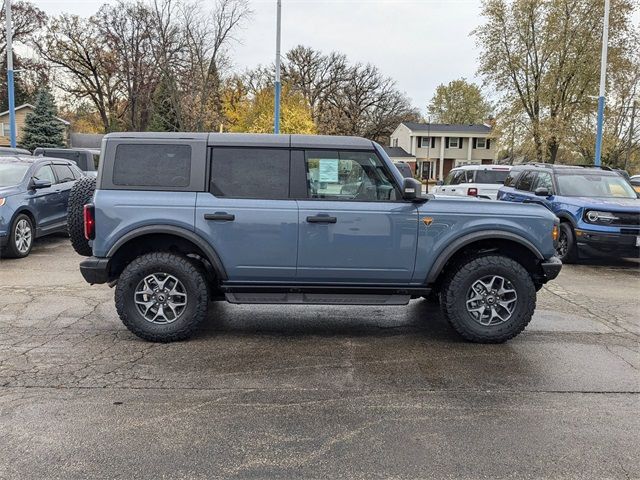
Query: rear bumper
{"points": [[551, 268], [95, 270], [599, 244]]}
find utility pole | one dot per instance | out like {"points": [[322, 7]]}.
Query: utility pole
{"points": [[276, 108], [630, 140], [12, 102], [603, 76]]}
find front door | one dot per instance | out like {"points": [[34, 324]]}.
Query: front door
{"points": [[247, 215], [354, 227], [45, 201]]}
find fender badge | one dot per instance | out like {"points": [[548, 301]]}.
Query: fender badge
{"points": [[427, 221]]}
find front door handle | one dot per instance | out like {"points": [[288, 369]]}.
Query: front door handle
{"points": [[220, 217], [322, 219]]}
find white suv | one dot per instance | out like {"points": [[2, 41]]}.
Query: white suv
{"points": [[474, 181]]}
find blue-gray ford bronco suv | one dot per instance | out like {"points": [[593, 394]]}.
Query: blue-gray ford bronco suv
{"points": [[179, 220]]}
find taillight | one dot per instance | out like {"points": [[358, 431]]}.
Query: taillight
{"points": [[472, 192], [89, 222]]}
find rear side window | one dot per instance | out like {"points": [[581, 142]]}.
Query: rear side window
{"points": [[64, 173], [491, 176], [250, 173], [525, 182], [143, 165]]}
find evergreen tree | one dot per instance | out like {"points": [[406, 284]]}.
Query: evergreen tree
{"points": [[41, 127]]}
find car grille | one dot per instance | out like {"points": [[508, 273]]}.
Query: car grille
{"points": [[626, 218]]}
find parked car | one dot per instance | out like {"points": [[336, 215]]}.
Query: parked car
{"points": [[598, 209], [10, 151], [179, 219], [34, 193], [474, 180], [635, 183], [86, 159]]}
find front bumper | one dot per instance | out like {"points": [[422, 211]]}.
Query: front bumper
{"points": [[600, 244], [95, 270], [551, 268]]}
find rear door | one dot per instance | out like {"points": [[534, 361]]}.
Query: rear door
{"points": [[354, 228], [523, 189], [65, 180], [247, 215]]}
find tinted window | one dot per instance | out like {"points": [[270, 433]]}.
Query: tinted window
{"points": [[491, 176], [63, 173], [250, 173], [525, 182], [545, 181], [359, 176], [143, 165], [510, 181], [45, 173]]}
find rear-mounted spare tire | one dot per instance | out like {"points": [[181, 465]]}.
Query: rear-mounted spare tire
{"points": [[81, 194]]}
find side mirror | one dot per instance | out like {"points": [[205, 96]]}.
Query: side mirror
{"points": [[411, 189], [37, 184], [439, 183], [542, 192]]}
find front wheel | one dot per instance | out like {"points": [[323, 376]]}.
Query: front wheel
{"points": [[20, 237], [489, 299], [566, 248], [162, 297]]}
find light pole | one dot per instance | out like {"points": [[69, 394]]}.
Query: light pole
{"points": [[276, 108], [12, 104], [603, 76]]}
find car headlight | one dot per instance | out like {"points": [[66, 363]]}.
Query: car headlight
{"points": [[596, 216]]}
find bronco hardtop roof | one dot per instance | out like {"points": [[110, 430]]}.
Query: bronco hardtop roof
{"points": [[255, 139]]}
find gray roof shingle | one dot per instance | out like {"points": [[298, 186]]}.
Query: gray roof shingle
{"points": [[397, 152], [447, 127]]}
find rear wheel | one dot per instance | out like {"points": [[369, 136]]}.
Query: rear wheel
{"points": [[80, 195], [162, 297], [489, 299], [20, 237]]}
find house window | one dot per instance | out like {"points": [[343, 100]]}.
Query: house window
{"points": [[424, 142], [395, 142], [454, 142], [481, 143]]}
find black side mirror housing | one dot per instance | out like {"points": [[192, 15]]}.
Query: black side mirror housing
{"points": [[542, 192], [37, 184], [412, 190]]}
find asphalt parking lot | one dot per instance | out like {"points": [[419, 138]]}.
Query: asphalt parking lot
{"points": [[316, 392]]}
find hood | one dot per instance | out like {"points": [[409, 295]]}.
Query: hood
{"points": [[8, 191], [618, 204]]}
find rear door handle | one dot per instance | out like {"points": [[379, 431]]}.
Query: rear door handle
{"points": [[220, 217], [322, 219]]}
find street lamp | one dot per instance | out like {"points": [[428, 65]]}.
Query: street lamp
{"points": [[603, 75], [10, 89]]}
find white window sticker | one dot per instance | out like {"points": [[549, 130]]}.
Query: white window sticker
{"points": [[328, 171]]}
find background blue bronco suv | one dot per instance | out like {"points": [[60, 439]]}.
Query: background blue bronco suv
{"points": [[598, 208], [178, 220]]}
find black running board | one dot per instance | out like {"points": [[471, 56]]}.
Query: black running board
{"points": [[321, 294]]}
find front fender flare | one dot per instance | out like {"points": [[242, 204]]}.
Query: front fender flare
{"points": [[465, 240]]}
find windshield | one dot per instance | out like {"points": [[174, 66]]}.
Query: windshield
{"points": [[589, 185], [491, 176], [12, 173]]}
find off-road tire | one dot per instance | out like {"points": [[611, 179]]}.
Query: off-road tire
{"points": [[571, 254], [80, 195], [11, 249], [195, 283], [458, 283]]}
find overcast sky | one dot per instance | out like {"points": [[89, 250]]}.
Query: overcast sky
{"points": [[419, 43]]}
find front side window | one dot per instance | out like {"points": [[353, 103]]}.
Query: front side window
{"points": [[594, 185], [144, 165], [545, 181], [525, 182], [250, 173], [359, 176], [45, 173]]}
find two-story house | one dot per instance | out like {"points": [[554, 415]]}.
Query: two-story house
{"points": [[440, 147], [21, 115]]}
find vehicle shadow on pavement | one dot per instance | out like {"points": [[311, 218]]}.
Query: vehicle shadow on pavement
{"points": [[620, 263], [420, 317]]}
